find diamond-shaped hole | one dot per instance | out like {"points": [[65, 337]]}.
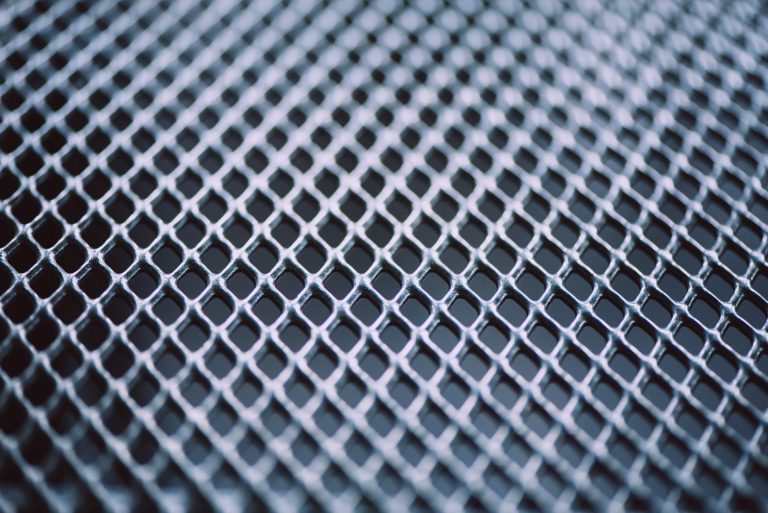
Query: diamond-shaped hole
{"points": [[120, 257], [167, 257], [531, 284], [268, 309], [425, 363], [285, 232], [294, 334], [244, 333], [338, 283], [436, 283], [95, 282], [407, 257], [561, 309], [96, 232], [220, 361], [190, 232], [345, 335], [483, 283], [168, 308], [48, 232], [21, 306], [169, 361], [238, 232], [271, 361], [360, 257], [45, 281], [495, 337], [317, 309], [374, 363], [144, 282], [264, 257], [323, 362], [367, 309], [218, 308], [192, 283], [241, 282], [24, 256], [216, 257], [387, 283], [464, 310], [194, 333], [290, 283], [395, 335]]}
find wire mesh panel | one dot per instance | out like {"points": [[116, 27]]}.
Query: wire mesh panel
{"points": [[383, 256]]}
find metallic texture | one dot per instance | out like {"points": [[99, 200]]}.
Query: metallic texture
{"points": [[383, 256]]}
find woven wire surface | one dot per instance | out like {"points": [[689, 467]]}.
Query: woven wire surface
{"points": [[383, 256]]}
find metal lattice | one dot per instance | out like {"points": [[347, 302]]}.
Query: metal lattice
{"points": [[386, 256]]}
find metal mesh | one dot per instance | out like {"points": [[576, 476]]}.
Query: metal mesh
{"points": [[383, 257]]}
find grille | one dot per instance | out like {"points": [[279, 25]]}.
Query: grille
{"points": [[385, 256]]}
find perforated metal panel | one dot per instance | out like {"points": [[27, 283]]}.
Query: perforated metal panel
{"points": [[383, 257]]}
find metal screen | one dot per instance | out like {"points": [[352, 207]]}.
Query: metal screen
{"points": [[383, 256]]}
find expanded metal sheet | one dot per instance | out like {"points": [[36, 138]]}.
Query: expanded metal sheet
{"points": [[383, 256]]}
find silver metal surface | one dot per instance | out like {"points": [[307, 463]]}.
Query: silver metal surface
{"points": [[386, 256]]}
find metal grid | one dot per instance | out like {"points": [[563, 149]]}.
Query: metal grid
{"points": [[383, 257]]}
